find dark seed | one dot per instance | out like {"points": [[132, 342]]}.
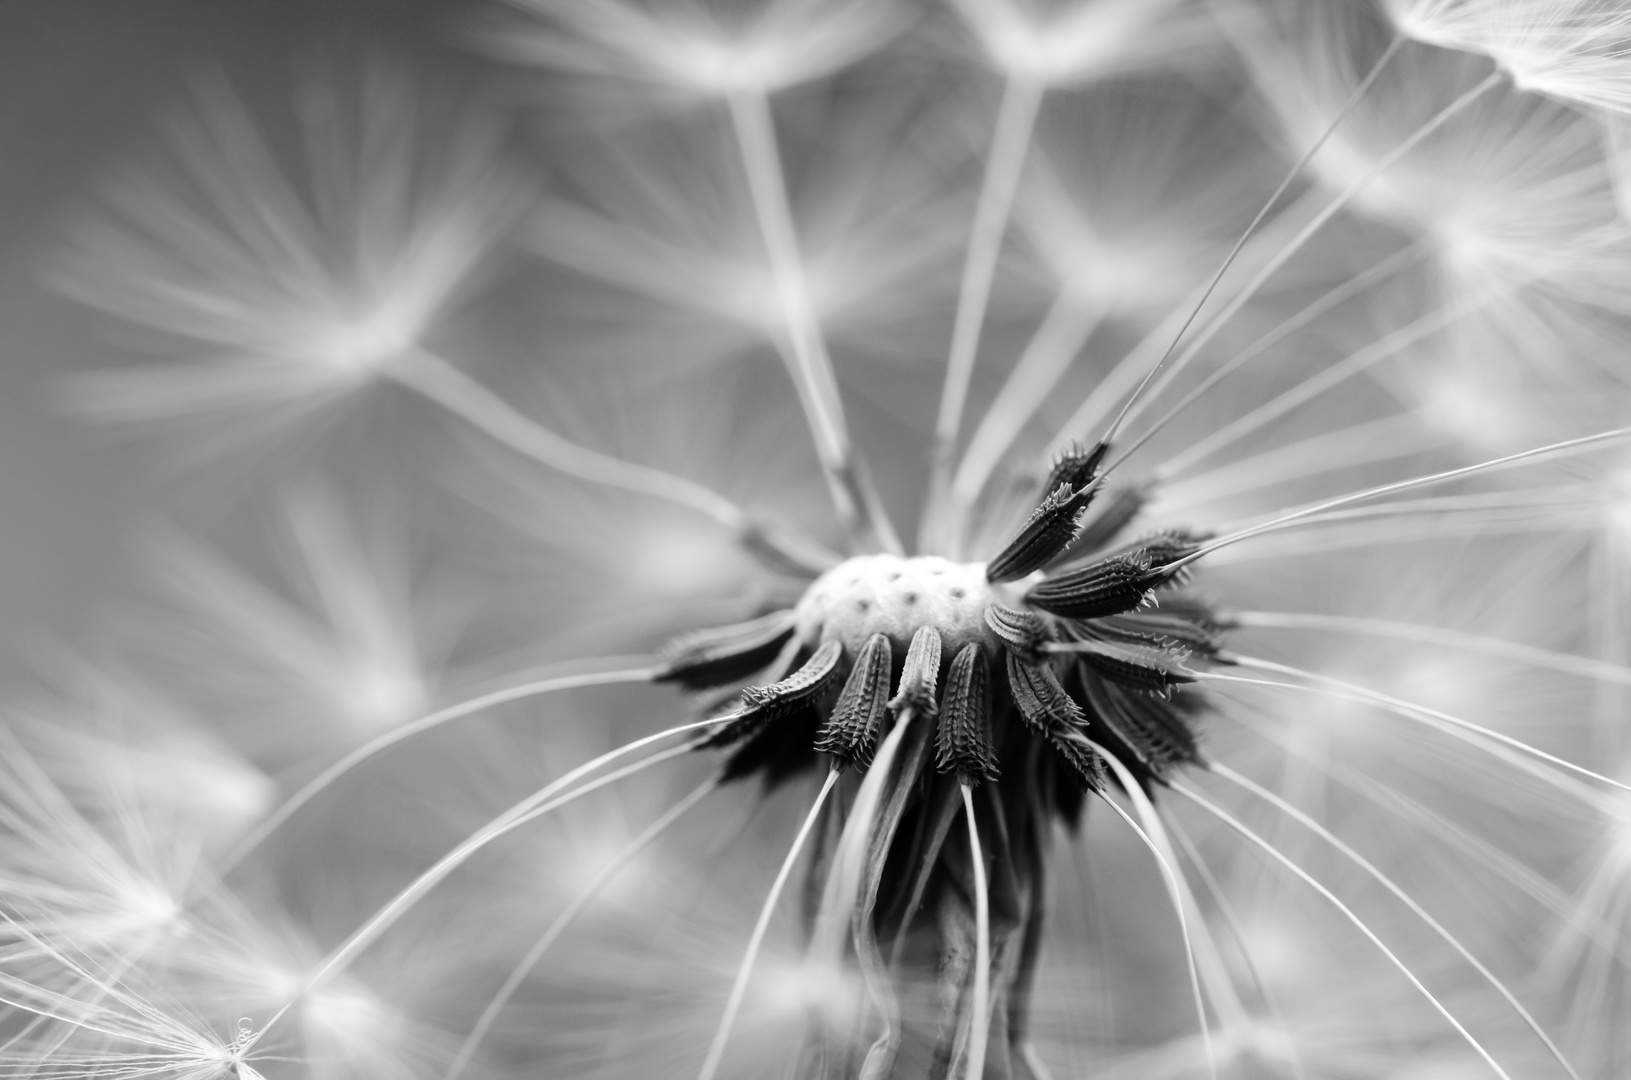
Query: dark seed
{"points": [[1118, 510], [1022, 631], [1076, 466], [1153, 728], [1042, 701], [1110, 586], [851, 731], [963, 740], [726, 654], [763, 704], [1054, 523], [920, 675], [1149, 677]]}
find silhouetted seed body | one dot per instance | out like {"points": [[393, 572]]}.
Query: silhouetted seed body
{"points": [[1149, 677], [920, 676], [1042, 701], [763, 704], [1022, 632], [726, 654], [1116, 511], [1076, 467], [1112, 586], [851, 731], [1151, 727], [1054, 524]]}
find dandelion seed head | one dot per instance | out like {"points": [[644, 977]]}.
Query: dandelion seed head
{"points": [[894, 596]]}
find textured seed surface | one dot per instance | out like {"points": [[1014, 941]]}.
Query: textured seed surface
{"points": [[895, 596]]}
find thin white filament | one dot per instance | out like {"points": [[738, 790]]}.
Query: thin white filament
{"points": [[1405, 708], [806, 352], [1269, 269], [1339, 295], [1208, 961], [1583, 666], [1016, 118], [534, 806], [1308, 879], [1558, 449], [1325, 379], [1405, 898], [1560, 780], [980, 1021], [842, 891], [1226, 911], [378, 745], [445, 385], [716, 1049], [1068, 325], [1175, 893], [1365, 443], [1503, 865], [524, 968], [1234, 252]]}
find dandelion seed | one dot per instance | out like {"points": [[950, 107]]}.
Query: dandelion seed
{"points": [[292, 290], [1571, 49]]}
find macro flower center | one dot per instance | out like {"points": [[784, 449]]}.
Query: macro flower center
{"points": [[897, 596]]}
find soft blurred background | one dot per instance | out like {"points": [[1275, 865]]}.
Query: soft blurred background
{"points": [[83, 86]]}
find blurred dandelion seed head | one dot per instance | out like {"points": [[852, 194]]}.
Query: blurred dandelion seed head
{"points": [[1236, 742]]}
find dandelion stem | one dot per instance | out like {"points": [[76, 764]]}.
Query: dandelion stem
{"points": [[716, 1049], [805, 349], [524, 968], [1558, 449], [980, 1020], [445, 385], [944, 815], [1585, 667], [373, 747], [1068, 325], [1232, 822], [534, 806], [1016, 118], [1405, 898], [1409, 709]]}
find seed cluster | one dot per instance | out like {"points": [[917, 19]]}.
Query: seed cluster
{"points": [[1092, 654]]}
